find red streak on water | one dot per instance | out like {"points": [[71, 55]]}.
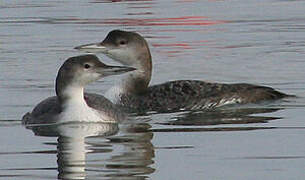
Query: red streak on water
{"points": [[179, 21], [182, 45]]}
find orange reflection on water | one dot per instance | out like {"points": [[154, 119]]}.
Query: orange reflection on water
{"points": [[114, 1], [179, 21], [173, 49], [187, 1], [181, 45]]}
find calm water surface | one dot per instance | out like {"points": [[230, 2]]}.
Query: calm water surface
{"points": [[251, 41]]}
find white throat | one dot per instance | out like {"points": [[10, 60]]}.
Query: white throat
{"points": [[75, 108], [75, 96], [115, 93]]}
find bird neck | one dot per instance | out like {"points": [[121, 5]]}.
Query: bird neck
{"points": [[68, 91], [71, 95], [134, 83], [137, 81]]}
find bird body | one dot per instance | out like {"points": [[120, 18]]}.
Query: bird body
{"points": [[134, 92], [70, 102]]}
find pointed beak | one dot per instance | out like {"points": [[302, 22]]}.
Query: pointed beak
{"points": [[114, 70], [92, 48]]}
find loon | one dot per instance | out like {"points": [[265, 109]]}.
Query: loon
{"points": [[130, 48], [71, 104]]}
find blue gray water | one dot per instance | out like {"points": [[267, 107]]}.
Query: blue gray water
{"points": [[251, 41]]}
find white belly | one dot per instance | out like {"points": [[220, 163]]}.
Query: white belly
{"points": [[82, 113]]}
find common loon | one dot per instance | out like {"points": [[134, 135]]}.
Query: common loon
{"points": [[130, 48], [71, 104]]}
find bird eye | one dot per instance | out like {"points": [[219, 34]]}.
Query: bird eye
{"points": [[87, 66], [122, 42]]}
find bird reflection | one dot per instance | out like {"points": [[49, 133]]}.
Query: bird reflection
{"points": [[127, 155], [71, 145], [223, 116], [125, 151], [138, 152], [233, 116]]}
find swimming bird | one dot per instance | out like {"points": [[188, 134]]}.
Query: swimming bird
{"points": [[134, 92], [70, 102]]}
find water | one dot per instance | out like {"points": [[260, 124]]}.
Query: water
{"points": [[260, 42]]}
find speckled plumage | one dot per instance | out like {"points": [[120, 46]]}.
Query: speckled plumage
{"points": [[130, 48], [194, 95]]}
